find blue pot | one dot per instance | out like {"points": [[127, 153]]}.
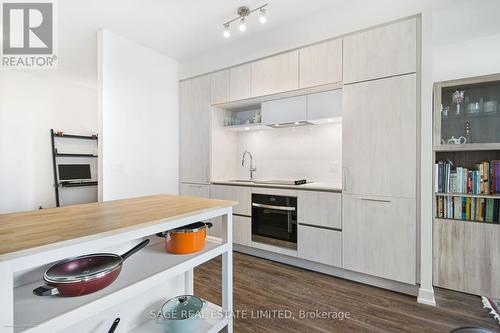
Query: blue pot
{"points": [[182, 314]]}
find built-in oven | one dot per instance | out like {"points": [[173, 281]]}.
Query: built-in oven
{"points": [[274, 220]]}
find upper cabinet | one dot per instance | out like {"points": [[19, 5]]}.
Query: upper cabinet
{"points": [[195, 130], [381, 52], [321, 64], [284, 110], [275, 74], [240, 80], [324, 105], [220, 87]]}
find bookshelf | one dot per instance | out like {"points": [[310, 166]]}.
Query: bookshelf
{"points": [[466, 208]]}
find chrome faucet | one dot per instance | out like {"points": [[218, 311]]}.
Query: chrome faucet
{"points": [[252, 168]]}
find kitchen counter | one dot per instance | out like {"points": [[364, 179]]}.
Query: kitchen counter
{"points": [[316, 186], [30, 241], [30, 232]]}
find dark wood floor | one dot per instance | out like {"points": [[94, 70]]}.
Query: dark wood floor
{"points": [[261, 285]]}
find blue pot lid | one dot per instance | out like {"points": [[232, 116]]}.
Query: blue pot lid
{"points": [[182, 307]]}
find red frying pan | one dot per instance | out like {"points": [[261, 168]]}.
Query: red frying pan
{"points": [[85, 274]]}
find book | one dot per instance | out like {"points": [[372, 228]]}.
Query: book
{"points": [[486, 173], [489, 210]]}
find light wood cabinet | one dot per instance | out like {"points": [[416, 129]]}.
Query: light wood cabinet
{"points": [[275, 74], [242, 230], [240, 81], [320, 209], [195, 130], [379, 137], [242, 194], [320, 245], [379, 236], [195, 190], [321, 64], [381, 52], [219, 87], [324, 105], [284, 110], [467, 257]]}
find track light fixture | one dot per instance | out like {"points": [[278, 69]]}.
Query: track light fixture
{"points": [[243, 12]]}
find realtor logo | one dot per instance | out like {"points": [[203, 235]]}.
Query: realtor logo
{"points": [[28, 35]]}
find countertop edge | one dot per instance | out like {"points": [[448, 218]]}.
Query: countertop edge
{"points": [[5, 257], [305, 187]]}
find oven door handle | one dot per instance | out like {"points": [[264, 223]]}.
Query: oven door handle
{"points": [[285, 208]]}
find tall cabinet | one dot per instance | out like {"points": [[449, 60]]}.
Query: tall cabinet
{"points": [[195, 131], [379, 153]]}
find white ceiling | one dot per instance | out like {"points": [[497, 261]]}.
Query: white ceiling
{"points": [[187, 29]]}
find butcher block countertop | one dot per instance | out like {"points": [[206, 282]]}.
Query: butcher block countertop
{"points": [[27, 232]]}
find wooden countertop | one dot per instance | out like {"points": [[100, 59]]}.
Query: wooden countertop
{"points": [[31, 230]]}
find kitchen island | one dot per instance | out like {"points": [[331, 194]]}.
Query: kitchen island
{"points": [[31, 241]]}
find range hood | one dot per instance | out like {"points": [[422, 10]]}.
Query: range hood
{"points": [[291, 124]]}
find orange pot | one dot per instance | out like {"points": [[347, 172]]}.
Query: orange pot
{"points": [[186, 239]]}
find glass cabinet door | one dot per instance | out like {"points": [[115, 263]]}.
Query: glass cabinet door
{"points": [[470, 113]]}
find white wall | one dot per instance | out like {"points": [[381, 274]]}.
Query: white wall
{"points": [[30, 105], [310, 152], [474, 57], [138, 119]]}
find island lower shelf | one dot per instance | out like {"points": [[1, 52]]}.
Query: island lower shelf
{"points": [[141, 272]]}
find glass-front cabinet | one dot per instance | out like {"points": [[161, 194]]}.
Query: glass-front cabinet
{"points": [[467, 113]]}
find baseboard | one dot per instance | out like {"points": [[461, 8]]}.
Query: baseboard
{"points": [[330, 270], [426, 296]]}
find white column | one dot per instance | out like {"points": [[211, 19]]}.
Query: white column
{"points": [[6, 298], [426, 291], [227, 267]]}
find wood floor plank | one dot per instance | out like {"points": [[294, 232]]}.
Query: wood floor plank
{"points": [[263, 285]]}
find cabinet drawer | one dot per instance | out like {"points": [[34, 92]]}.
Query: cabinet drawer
{"points": [[241, 194], [320, 245], [242, 230], [379, 236], [320, 208], [195, 190], [284, 110]]}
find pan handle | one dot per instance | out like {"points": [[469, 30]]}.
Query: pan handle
{"points": [[136, 248], [208, 225], [115, 324], [45, 291]]}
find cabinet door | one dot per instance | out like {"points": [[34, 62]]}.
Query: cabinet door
{"points": [[321, 64], [240, 82], [381, 52], [195, 130], [195, 190], [379, 146], [324, 105], [320, 245], [284, 110], [379, 236], [275, 74], [320, 209], [242, 230], [241, 194], [219, 87], [467, 257]]}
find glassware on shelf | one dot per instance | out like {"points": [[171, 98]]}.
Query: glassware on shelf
{"points": [[457, 98], [468, 135]]}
